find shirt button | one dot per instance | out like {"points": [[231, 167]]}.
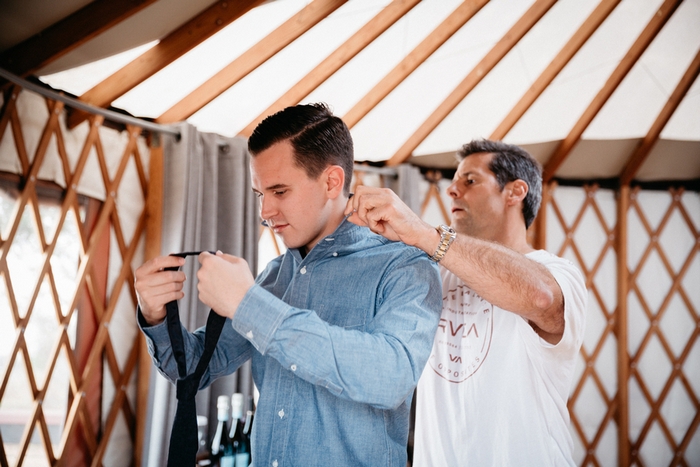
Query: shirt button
{"points": [[274, 463], [294, 368], [335, 253], [249, 334], [281, 413], [303, 270]]}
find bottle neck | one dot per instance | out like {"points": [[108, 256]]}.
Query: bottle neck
{"points": [[222, 415], [248, 421]]}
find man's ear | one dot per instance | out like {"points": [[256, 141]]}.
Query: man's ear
{"points": [[517, 191], [335, 179]]}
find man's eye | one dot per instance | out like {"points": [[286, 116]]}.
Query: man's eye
{"points": [[280, 192]]}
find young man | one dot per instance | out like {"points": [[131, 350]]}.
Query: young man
{"points": [[339, 328], [495, 389]]}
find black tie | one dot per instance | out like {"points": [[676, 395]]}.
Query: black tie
{"points": [[183, 438]]}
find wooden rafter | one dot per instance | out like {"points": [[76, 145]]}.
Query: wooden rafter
{"points": [[485, 65], [633, 54], [645, 146], [343, 54], [263, 50], [594, 20], [170, 48], [413, 60], [67, 34]]}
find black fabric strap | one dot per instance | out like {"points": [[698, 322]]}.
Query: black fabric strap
{"points": [[183, 437]]}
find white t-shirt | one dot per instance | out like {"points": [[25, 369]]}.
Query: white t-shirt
{"points": [[493, 392]]}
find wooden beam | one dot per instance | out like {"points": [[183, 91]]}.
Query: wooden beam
{"points": [[621, 317], [154, 229], [258, 54], [502, 47], [640, 45], [413, 60], [541, 220], [169, 49], [343, 54], [594, 20], [67, 34], [644, 148]]}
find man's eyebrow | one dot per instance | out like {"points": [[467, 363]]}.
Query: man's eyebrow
{"points": [[276, 186]]}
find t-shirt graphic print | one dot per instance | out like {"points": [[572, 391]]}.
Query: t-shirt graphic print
{"points": [[464, 334]]}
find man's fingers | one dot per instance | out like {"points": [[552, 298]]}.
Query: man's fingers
{"points": [[349, 207], [159, 264], [355, 219], [230, 258], [203, 256]]}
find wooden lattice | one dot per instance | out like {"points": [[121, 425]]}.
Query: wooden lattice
{"points": [[666, 349], [590, 425], [92, 356], [613, 410]]}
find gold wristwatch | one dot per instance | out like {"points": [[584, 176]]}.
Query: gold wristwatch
{"points": [[447, 236]]}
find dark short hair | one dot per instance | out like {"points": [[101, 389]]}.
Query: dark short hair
{"points": [[319, 139], [511, 163]]}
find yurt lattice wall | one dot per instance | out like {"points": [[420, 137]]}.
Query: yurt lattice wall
{"points": [[636, 398], [72, 223]]}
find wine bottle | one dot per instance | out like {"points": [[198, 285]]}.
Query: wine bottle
{"points": [[241, 446], [222, 454], [247, 433], [203, 454]]}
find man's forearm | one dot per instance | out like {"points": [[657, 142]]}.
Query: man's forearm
{"points": [[507, 279]]}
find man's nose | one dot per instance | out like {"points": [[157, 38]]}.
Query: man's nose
{"points": [[452, 190], [267, 208]]}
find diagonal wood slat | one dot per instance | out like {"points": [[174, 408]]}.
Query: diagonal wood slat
{"points": [[652, 136], [414, 59], [485, 65], [251, 59], [595, 19], [67, 34], [171, 47], [628, 61], [339, 57]]}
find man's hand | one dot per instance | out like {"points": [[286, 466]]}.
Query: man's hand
{"points": [[384, 213], [155, 286], [223, 282]]}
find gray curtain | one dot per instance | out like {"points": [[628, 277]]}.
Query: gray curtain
{"points": [[208, 205], [406, 185]]}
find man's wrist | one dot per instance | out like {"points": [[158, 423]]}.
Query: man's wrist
{"points": [[447, 236], [424, 238], [144, 321]]}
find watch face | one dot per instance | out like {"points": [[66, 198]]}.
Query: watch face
{"points": [[447, 229]]}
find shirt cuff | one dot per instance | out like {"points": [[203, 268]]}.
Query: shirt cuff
{"points": [[157, 334], [258, 316]]}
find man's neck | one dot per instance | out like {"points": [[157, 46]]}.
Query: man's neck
{"points": [[335, 218]]}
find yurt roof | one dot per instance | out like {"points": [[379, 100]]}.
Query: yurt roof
{"points": [[594, 89]]}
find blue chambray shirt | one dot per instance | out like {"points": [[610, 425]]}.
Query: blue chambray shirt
{"points": [[338, 341]]}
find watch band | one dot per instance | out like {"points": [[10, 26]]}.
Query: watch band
{"points": [[447, 236]]}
